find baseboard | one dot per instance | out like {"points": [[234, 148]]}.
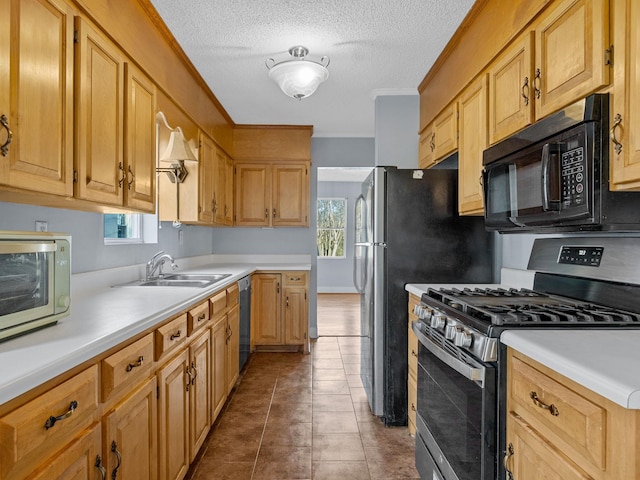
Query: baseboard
{"points": [[336, 290]]}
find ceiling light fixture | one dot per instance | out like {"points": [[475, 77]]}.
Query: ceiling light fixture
{"points": [[298, 77]]}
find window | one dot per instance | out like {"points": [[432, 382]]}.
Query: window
{"points": [[122, 228], [332, 220]]}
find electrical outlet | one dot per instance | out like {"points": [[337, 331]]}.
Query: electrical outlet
{"points": [[42, 226]]}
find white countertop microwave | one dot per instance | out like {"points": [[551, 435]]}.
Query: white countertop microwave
{"points": [[35, 278]]}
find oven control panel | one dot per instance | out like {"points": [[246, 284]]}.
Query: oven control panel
{"points": [[585, 255]]}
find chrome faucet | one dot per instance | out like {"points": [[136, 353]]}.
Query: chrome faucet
{"points": [[156, 263]]}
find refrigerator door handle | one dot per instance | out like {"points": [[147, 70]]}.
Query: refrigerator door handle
{"points": [[359, 281]]}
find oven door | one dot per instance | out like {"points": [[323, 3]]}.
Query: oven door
{"points": [[456, 414], [548, 183]]}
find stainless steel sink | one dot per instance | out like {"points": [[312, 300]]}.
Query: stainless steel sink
{"points": [[197, 280]]}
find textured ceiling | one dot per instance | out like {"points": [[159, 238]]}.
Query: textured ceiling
{"points": [[376, 47]]}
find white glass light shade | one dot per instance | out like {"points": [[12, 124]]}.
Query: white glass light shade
{"points": [[178, 149], [298, 78]]}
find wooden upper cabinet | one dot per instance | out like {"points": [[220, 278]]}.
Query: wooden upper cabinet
{"points": [[571, 41], [229, 191], [39, 113], [445, 132], [290, 195], [511, 89], [99, 117], [473, 141], [140, 140], [115, 125], [206, 169], [253, 195], [625, 107], [219, 186]]}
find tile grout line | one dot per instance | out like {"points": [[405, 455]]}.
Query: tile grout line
{"points": [[264, 427]]}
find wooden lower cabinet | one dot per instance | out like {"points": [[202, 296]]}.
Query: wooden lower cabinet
{"points": [[218, 366], [200, 392], [412, 359], [129, 447], [279, 310], [233, 347], [558, 429]]}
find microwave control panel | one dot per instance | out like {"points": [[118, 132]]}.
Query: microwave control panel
{"points": [[573, 177]]}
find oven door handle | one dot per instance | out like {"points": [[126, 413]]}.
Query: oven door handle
{"points": [[474, 373]]}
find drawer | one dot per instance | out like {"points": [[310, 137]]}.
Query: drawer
{"points": [[295, 278], [32, 432], [170, 335], [198, 317], [413, 355], [129, 365], [412, 398], [232, 295], [218, 303], [551, 407]]}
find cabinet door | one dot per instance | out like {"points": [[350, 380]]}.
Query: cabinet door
{"points": [[219, 189], [570, 53], [253, 195], [140, 147], [218, 366], [130, 436], [473, 141], [173, 405], [426, 147], [295, 316], [99, 123], [77, 461], [530, 457], [38, 112], [233, 347], [228, 195], [199, 392], [290, 195], [206, 167], [625, 108], [445, 132], [265, 309], [511, 90]]}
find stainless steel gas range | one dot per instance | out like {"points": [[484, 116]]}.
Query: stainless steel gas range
{"points": [[579, 283]]}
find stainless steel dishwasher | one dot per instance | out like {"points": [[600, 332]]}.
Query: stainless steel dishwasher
{"points": [[244, 285]]}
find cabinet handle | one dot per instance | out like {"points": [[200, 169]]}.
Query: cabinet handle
{"points": [[507, 461], [432, 142], [617, 120], [195, 373], [525, 84], [536, 83], [278, 287], [131, 366], [188, 382], [5, 146], [114, 449], [553, 410], [266, 213], [51, 421], [413, 407], [201, 317], [175, 335], [230, 334], [133, 177], [274, 213], [100, 467], [121, 181], [414, 354], [287, 299]]}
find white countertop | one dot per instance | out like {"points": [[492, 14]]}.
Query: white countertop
{"points": [[605, 361], [103, 317]]}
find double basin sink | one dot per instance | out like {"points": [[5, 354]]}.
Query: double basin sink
{"points": [[197, 280]]}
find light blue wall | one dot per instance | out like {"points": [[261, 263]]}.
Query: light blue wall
{"points": [[336, 275], [86, 229], [396, 130]]}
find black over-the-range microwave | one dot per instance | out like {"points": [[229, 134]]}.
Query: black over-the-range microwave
{"points": [[553, 176]]}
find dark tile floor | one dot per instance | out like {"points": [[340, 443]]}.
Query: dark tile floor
{"points": [[295, 416]]}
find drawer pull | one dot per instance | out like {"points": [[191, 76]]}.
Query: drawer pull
{"points": [[114, 449], [100, 467], [414, 354], [201, 316], [195, 373], [175, 335], [553, 410], [131, 366], [4, 148], [51, 421], [508, 454], [413, 407]]}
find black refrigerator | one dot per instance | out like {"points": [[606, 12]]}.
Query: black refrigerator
{"points": [[407, 231]]}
